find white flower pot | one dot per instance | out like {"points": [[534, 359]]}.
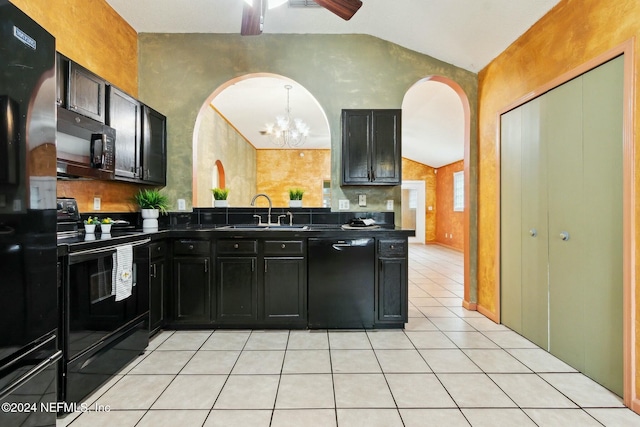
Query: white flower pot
{"points": [[295, 203], [105, 228], [89, 228], [220, 203], [150, 218]]}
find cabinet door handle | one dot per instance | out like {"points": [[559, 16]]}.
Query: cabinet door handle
{"points": [[236, 246], [533, 232], [206, 265], [190, 247], [564, 236], [283, 246]]}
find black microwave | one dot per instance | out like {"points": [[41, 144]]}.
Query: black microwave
{"points": [[84, 147]]}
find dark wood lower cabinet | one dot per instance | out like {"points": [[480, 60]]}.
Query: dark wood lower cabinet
{"points": [[392, 288], [237, 289], [259, 283], [158, 286], [285, 291], [192, 282]]}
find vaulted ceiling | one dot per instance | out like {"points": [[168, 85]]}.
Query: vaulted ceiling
{"points": [[465, 33]]}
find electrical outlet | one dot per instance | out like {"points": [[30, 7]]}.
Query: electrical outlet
{"points": [[343, 204], [362, 200], [96, 203], [181, 205], [389, 205]]}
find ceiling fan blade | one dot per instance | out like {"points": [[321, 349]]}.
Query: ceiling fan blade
{"points": [[345, 9], [253, 18]]}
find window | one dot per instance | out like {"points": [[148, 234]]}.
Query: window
{"points": [[458, 191]]}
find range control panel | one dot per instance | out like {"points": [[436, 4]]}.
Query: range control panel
{"points": [[67, 210]]}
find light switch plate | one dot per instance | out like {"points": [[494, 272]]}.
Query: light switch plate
{"points": [[362, 200], [181, 205], [343, 204], [389, 205], [96, 203]]}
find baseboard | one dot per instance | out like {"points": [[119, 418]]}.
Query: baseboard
{"points": [[471, 306], [445, 246], [488, 314]]}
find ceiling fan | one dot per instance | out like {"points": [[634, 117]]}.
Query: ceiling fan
{"points": [[253, 15]]}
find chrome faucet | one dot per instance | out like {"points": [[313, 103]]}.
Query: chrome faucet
{"points": [[253, 201]]}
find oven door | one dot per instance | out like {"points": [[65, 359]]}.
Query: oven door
{"points": [[91, 312]]}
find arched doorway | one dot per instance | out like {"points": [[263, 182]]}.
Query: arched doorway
{"points": [[449, 99]]}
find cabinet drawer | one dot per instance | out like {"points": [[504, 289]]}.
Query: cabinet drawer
{"points": [[230, 246], [396, 248], [158, 250], [191, 247], [284, 247]]}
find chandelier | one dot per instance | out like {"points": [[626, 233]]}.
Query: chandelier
{"points": [[287, 132]]}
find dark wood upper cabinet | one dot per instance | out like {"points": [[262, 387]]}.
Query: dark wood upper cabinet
{"points": [[125, 116], [86, 93], [154, 148], [371, 147]]}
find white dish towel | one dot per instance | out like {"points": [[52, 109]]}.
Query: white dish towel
{"points": [[122, 273]]}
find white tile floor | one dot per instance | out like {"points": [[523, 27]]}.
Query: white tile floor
{"points": [[449, 367]]}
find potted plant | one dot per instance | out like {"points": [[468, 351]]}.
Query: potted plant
{"points": [[152, 203], [220, 197], [295, 197], [90, 224], [105, 225]]}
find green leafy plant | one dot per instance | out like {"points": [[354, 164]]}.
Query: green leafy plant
{"points": [[295, 193], [152, 199], [106, 220], [220, 193], [92, 220]]}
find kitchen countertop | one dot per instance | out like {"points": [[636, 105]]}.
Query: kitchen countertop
{"points": [[98, 240]]}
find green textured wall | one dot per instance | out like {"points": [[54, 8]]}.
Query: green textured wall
{"points": [[217, 140], [178, 72]]}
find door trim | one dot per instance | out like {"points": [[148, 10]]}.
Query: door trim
{"points": [[628, 213], [421, 212]]}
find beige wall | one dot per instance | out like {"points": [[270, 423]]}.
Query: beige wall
{"points": [[218, 140]]}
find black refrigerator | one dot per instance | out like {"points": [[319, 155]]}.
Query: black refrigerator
{"points": [[28, 253]]}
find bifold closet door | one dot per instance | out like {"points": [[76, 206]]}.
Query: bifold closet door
{"points": [[511, 220], [602, 258], [562, 134], [534, 231]]}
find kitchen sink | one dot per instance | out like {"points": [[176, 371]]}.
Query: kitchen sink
{"points": [[256, 227]]}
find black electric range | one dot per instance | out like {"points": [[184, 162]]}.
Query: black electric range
{"points": [[100, 330]]}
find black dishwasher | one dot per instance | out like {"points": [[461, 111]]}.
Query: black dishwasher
{"points": [[341, 283]]}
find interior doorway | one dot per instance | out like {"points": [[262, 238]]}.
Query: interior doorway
{"points": [[413, 209]]}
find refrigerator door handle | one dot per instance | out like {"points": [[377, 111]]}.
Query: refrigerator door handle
{"points": [[32, 373]]}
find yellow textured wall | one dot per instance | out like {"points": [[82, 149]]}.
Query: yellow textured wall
{"points": [[571, 34], [415, 171], [448, 222], [279, 170], [92, 34]]}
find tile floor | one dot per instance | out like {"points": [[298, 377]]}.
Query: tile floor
{"points": [[449, 367]]}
